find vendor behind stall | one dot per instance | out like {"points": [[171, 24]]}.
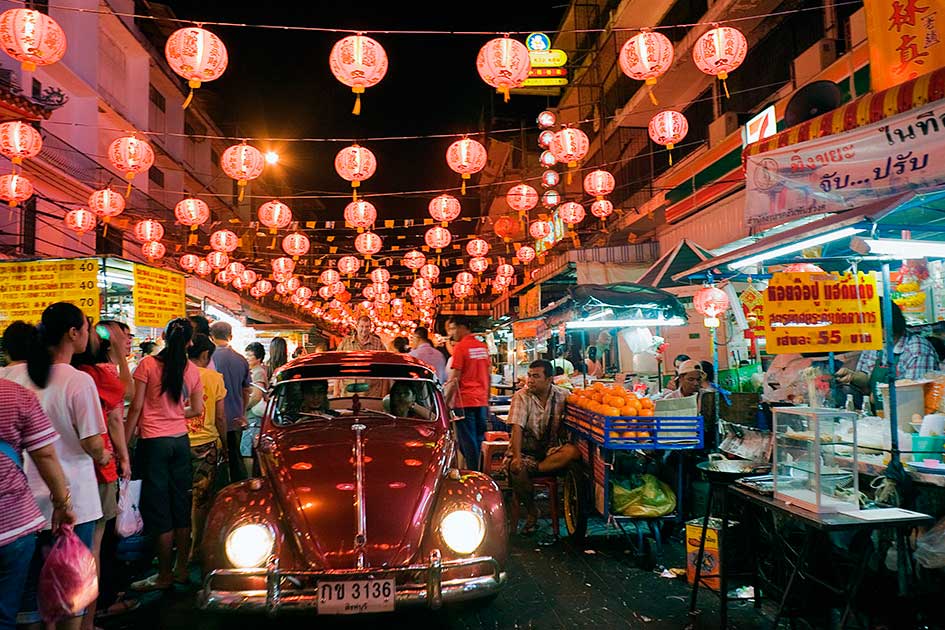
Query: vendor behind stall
{"points": [[915, 357], [689, 379]]}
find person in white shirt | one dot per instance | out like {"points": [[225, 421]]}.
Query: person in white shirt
{"points": [[70, 399]]}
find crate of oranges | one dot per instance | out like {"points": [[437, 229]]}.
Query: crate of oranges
{"points": [[618, 419]]}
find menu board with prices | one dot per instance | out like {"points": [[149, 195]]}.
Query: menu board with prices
{"points": [[158, 296], [822, 312], [27, 288]]}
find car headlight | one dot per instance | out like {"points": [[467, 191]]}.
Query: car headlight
{"points": [[463, 530], [249, 545]]}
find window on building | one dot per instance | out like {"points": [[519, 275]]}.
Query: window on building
{"points": [[194, 130], [38, 5], [156, 107], [156, 176], [157, 99], [28, 227], [112, 77]]}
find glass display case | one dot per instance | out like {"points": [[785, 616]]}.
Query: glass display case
{"points": [[815, 462]]}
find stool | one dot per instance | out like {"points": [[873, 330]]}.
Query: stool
{"points": [[550, 483], [492, 455]]}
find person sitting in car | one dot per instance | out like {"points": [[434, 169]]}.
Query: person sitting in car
{"points": [[315, 398], [403, 402]]}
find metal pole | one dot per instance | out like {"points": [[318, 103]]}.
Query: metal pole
{"points": [[889, 346], [717, 394]]}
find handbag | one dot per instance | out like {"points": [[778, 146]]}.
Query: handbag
{"points": [[129, 521]]}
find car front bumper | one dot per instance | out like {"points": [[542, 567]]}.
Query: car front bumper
{"points": [[297, 590]]}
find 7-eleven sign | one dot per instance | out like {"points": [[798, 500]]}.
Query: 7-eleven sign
{"points": [[762, 126]]}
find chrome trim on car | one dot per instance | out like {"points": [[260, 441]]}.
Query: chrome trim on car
{"points": [[278, 596], [360, 509]]}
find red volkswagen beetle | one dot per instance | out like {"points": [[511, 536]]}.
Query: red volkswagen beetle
{"points": [[360, 508]]}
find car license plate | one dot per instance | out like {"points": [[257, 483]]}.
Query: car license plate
{"points": [[356, 596]]}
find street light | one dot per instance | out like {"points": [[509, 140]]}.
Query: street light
{"points": [[272, 157]]}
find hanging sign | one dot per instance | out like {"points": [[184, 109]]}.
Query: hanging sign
{"points": [[529, 302], [158, 296], [554, 58], [27, 288], [821, 312], [753, 305], [906, 40], [847, 170], [762, 125]]}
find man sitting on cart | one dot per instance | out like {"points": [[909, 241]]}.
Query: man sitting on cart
{"points": [[536, 414]]}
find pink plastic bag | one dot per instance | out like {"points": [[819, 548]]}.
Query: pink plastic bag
{"points": [[67, 582]]}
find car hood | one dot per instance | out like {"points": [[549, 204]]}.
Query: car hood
{"points": [[312, 470]]}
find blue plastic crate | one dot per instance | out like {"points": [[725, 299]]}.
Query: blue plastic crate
{"points": [[660, 433]]}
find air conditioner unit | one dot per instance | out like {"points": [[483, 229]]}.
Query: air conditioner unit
{"points": [[815, 59], [722, 127]]}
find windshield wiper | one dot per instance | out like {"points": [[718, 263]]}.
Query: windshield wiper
{"points": [[380, 413], [318, 414]]}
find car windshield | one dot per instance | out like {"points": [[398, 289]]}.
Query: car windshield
{"points": [[322, 399]]}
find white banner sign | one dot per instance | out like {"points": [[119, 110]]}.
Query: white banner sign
{"points": [[849, 169]]}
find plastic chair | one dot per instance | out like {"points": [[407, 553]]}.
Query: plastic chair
{"points": [[550, 483], [492, 455]]}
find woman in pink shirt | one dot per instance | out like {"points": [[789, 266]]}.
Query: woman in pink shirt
{"points": [[169, 391]]}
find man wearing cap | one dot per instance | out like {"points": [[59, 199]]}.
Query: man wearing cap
{"points": [[689, 379]]}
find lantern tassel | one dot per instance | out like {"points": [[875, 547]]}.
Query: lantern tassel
{"points": [[725, 86], [357, 105], [105, 228], [463, 187], [241, 184], [652, 96], [128, 190], [187, 100], [192, 239]]}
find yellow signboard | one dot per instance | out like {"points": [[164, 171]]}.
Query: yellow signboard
{"points": [[158, 296], [529, 302], [753, 305], [905, 39], [821, 312], [544, 82], [553, 58], [27, 288]]}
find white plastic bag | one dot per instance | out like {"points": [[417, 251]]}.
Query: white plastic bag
{"points": [[129, 521], [930, 547]]}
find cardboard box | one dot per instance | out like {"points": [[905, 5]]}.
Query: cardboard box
{"points": [[710, 559]]}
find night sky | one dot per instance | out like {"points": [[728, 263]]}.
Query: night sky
{"points": [[278, 84]]}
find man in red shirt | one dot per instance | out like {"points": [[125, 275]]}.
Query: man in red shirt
{"points": [[467, 388]]}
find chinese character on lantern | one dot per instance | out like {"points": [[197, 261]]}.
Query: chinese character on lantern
{"points": [[189, 262], [218, 259], [599, 183], [153, 250], [571, 213], [438, 238], [359, 62], [719, 51], [149, 230], [466, 156], [355, 164], [444, 208], [540, 229], [348, 265], [224, 241], [242, 163], [360, 214], [19, 141], [602, 209], [477, 247], [131, 156], [478, 264], [645, 57], [192, 212], [32, 38], [106, 203], [80, 221], [569, 146], [197, 55], [275, 215], [15, 189], [504, 64], [295, 244], [668, 128], [368, 243], [525, 254], [414, 260], [522, 198]]}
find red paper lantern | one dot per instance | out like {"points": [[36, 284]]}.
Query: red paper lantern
{"points": [[464, 277], [438, 238], [15, 189], [368, 243], [540, 229], [380, 275], [224, 277], [263, 286], [570, 145], [430, 271], [466, 156], [668, 128], [224, 241], [505, 270], [360, 214], [420, 284], [275, 215], [710, 302], [545, 138], [242, 163], [106, 203], [382, 298], [547, 158], [414, 260], [602, 208], [522, 198], [192, 212], [32, 38], [504, 64], [295, 244], [149, 230], [337, 288], [283, 266], [477, 247], [506, 227], [131, 156], [599, 183], [462, 291], [189, 262], [19, 141], [303, 293], [348, 265], [153, 250], [525, 254], [282, 289], [235, 268], [80, 221], [218, 259], [355, 164], [256, 292], [647, 56], [249, 277], [359, 62], [720, 50], [546, 119], [571, 213], [550, 199], [444, 208], [550, 179], [478, 264], [292, 284], [236, 281], [197, 55], [367, 292], [203, 268], [330, 276], [324, 292]]}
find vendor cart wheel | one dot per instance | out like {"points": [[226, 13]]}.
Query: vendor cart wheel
{"points": [[576, 504]]}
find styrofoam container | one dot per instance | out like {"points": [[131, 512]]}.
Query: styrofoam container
{"points": [[910, 401]]}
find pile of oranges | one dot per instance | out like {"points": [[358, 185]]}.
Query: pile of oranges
{"points": [[611, 400]]}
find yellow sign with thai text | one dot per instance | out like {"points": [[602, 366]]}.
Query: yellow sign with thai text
{"points": [[822, 312], [905, 38], [552, 58], [158, 296], [544, 81], [27, 288]]}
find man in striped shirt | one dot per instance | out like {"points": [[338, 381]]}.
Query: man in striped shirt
{"points": [[25, 427]]}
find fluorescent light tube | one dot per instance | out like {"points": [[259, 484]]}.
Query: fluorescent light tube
{"points": [[905, 249], [625, 323], [795, 247]]}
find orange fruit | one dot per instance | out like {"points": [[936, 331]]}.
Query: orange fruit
{"points": [[618, 401], [646, 403], [627, 410], [611, 411], [646, 412]]}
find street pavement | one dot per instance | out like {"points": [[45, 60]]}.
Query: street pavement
{"points": [[552, 584]]}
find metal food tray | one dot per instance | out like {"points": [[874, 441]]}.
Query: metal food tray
{"points": [[661, 433]]}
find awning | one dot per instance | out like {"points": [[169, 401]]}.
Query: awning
{"points": [[644, 302], [685, 255]]}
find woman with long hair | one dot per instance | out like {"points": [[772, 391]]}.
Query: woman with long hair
{"points": [[70, 399], [168, 392], [278, 354]]}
